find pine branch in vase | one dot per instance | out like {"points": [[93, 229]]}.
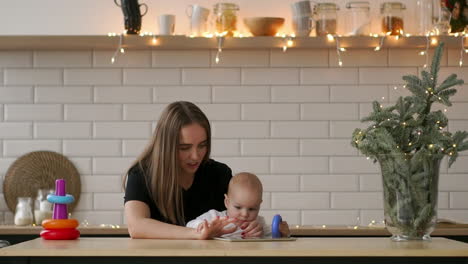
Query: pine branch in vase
{"points": [[409, 141]]}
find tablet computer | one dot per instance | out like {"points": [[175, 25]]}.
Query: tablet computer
{"points": [[260, 239]]}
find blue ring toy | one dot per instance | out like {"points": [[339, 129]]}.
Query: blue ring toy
{"points": [[52, 198], [275, 232]]}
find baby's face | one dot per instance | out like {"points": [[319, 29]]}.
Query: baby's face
{"points": [[243, 204]]}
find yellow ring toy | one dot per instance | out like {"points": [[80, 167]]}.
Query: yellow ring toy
{"points": [[59, 223]]}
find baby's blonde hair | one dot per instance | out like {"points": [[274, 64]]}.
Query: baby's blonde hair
{"points": [[246, 180]]}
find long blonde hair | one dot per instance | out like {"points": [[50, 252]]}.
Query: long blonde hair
{"points": [[160, 163]]}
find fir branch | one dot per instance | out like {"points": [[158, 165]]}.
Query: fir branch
{"points": [[415, 85], [435, 66], [408, 140], [449, 82]]}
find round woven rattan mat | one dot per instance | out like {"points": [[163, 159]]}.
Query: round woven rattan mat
{"points": [[39, 170]]}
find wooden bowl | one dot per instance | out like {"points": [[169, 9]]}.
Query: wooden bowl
{"points": [[264, 26]]}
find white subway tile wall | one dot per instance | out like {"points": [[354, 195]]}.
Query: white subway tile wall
{"points": [[286, 116]]}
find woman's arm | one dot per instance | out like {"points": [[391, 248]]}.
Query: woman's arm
{"points": [[140, 225]]}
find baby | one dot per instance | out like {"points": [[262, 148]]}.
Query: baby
{"points": [[243, 204]]}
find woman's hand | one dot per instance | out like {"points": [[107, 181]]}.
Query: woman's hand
{"points": [[251, 229], [215, 228]]}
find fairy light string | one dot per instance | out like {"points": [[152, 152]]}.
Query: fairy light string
{"points": [[339, 50], [381, 42], [462, 49], [288, 41], [426, 51], [220, 42], [119, 48]]}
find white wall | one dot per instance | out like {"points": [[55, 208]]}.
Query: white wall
{"points": [[98, 17], [287, 117]]}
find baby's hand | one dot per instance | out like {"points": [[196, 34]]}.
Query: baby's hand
{"points": [[200, 227], [214, 228], [251, 229], [284, 229]]}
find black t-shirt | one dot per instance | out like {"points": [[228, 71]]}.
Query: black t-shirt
{"points": [[206, 193]]}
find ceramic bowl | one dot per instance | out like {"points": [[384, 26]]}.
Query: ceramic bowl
{"points": [[264, 26]]}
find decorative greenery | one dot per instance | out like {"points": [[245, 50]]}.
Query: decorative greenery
{"points": [[409, 141]]}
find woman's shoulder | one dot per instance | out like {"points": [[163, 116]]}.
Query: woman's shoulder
{"points": [[136, 170]]}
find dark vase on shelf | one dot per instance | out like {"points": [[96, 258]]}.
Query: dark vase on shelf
{"points": [[132, 15]]}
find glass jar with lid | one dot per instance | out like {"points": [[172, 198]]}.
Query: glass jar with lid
{"points": [[42, 207], [424, 16], [392, 18], [226, 18], [23, 212], [442, 20], [357, 18], [325, 18]]}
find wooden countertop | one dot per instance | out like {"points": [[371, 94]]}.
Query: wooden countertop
{"points": [[441, 230], [302, 247]]}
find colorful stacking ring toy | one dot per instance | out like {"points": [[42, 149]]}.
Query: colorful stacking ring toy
{"points": [[60, 227]]}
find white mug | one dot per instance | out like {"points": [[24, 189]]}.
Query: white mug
{"points": [[166, 24], [302, 25], [301, 8], [198, 19]]}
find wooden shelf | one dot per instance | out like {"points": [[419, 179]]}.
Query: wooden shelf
{"points": [[184, 42]]}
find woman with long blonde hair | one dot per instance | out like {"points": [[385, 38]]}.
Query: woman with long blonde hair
{"points": [[174, 180]]}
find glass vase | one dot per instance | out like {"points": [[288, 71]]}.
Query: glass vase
{"points": [[410, 186]]}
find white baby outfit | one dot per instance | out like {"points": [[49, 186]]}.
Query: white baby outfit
{"points": [[211, 214]]}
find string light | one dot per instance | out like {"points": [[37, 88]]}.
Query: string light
{"points": [[338, 50], [220, 46], [119, 48], [462, 49], [379, 47], [426, 52], [287, 42]]}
